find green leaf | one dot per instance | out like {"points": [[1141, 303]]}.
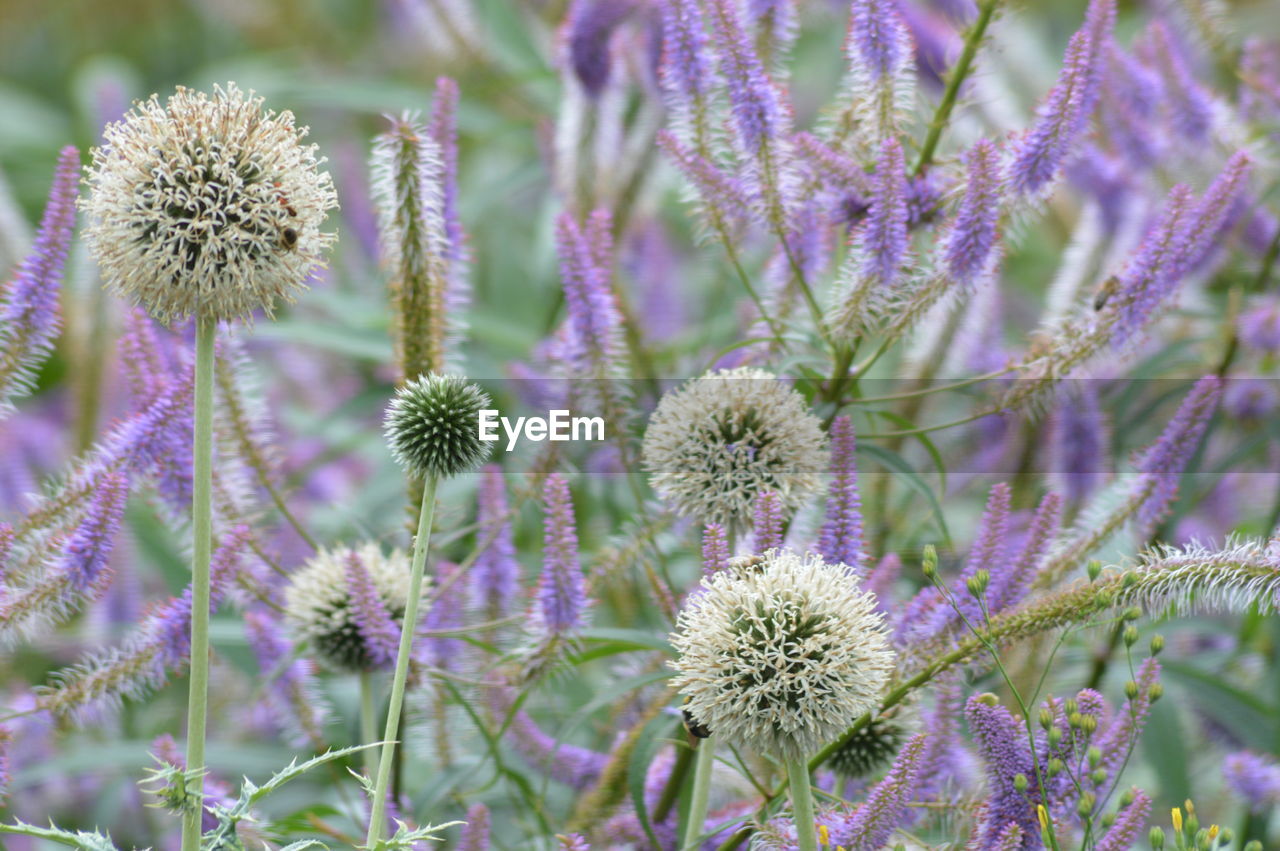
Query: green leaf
{"points": [[1246, 715], [898, 464], [638, 770], [76, 839]]}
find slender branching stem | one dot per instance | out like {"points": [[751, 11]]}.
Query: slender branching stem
{"points": [[704, 764], [202, 548], [420, 545]]}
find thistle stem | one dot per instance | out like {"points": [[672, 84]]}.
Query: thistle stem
{"points": [[368, 721], [802, 804], [703, 765], [202, 546], [420, 545]]}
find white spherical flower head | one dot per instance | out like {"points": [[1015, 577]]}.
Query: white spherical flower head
{"points": [[717, 442], [319, 609], [782, 654], [208, 205]]}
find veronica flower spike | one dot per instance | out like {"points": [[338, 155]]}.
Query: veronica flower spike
{"points": [[432, 430], [207, 207]]}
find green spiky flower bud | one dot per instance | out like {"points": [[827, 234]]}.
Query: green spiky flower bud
{"points": [[1156, 838], [1130, 635], [1020, 782], [1157, 644], [432, 426]]}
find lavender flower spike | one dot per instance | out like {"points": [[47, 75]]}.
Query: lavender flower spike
{"points": [[872, 823], [715, 549], [475, 836], [989, 552], [969, 246], [1153, 271], [1189, 104], [1039, 155], [80, 573], [1162, 464], [495, 576], [885, 237], [767, 513], [561, 593], [590, 342], [879, 49], [759, 115], [29, 318], [292, 696], [1216, 211], [1002, 744], [1128, 824], [840, 540], [378, 632], [1254, 778]]}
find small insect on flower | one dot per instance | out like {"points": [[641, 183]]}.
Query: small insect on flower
{"points": [[783, 656], [209, 205]]}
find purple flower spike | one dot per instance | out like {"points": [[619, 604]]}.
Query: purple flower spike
{"points": [[475, 836], [1259, 326], [1078, 442], [840, 540], [715, 549], [1128, 824], [590, 343], [1008, 588], [1216, 211], [1130, 94], [378, 631], [686, 63], [1122, 733], [572, 765], [970, 243], [1189, 104], [726, 196], [561, 592], [591, 25], [443, 128], [884, 238], [1155, 268], [767, 520], [495, 576], [873, 823], [989, 552], [292, 695], [1163, 463], [879, 41], [29, 317], [1002, 745], [1253, 778], [759, 114]]}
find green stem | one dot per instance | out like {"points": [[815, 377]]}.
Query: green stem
{"points": [[420, 545], [706, 760], [802, 804], [368, 721], [202, 547], [942, 115], [684, 758]]}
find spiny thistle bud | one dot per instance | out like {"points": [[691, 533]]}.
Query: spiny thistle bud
{"points": [[784, 657], [929, 562], [432, 426], [324, 608], [208, 205], [1020, 782], [1130, 635], [716, 443], [1157, 644], [1156, 837], [1094, 569], [872, 747]]}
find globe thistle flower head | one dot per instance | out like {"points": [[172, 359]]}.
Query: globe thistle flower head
{"points": [[324, 608], [871, 748], [208, 205], [716, 443], [432, 426], [781, 654]]}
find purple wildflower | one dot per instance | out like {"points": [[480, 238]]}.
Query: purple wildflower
{"points": [[475, 836], [573, 842], [561, 595], [1009, 586], [575, 766], [495, 576], [1002, 744], [935, 40], [686, 65], [1259, 326], [1189, 104], [1260, 75], [1078, 442], [1154, 269], [446, 613], [443, 128], [871, 825], [1128, 824], [29, 317], [767, 521], [590, 338], [1254, 778], [759, 114], [725, 197], [878, 42], [884, 237], [970, 243], [378, 632], [291, 694], [989, 552], [715, 549], [1162, 464], [80, 573], [840, 540], [1130, 93], [590, 28], [1216, 211]]}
